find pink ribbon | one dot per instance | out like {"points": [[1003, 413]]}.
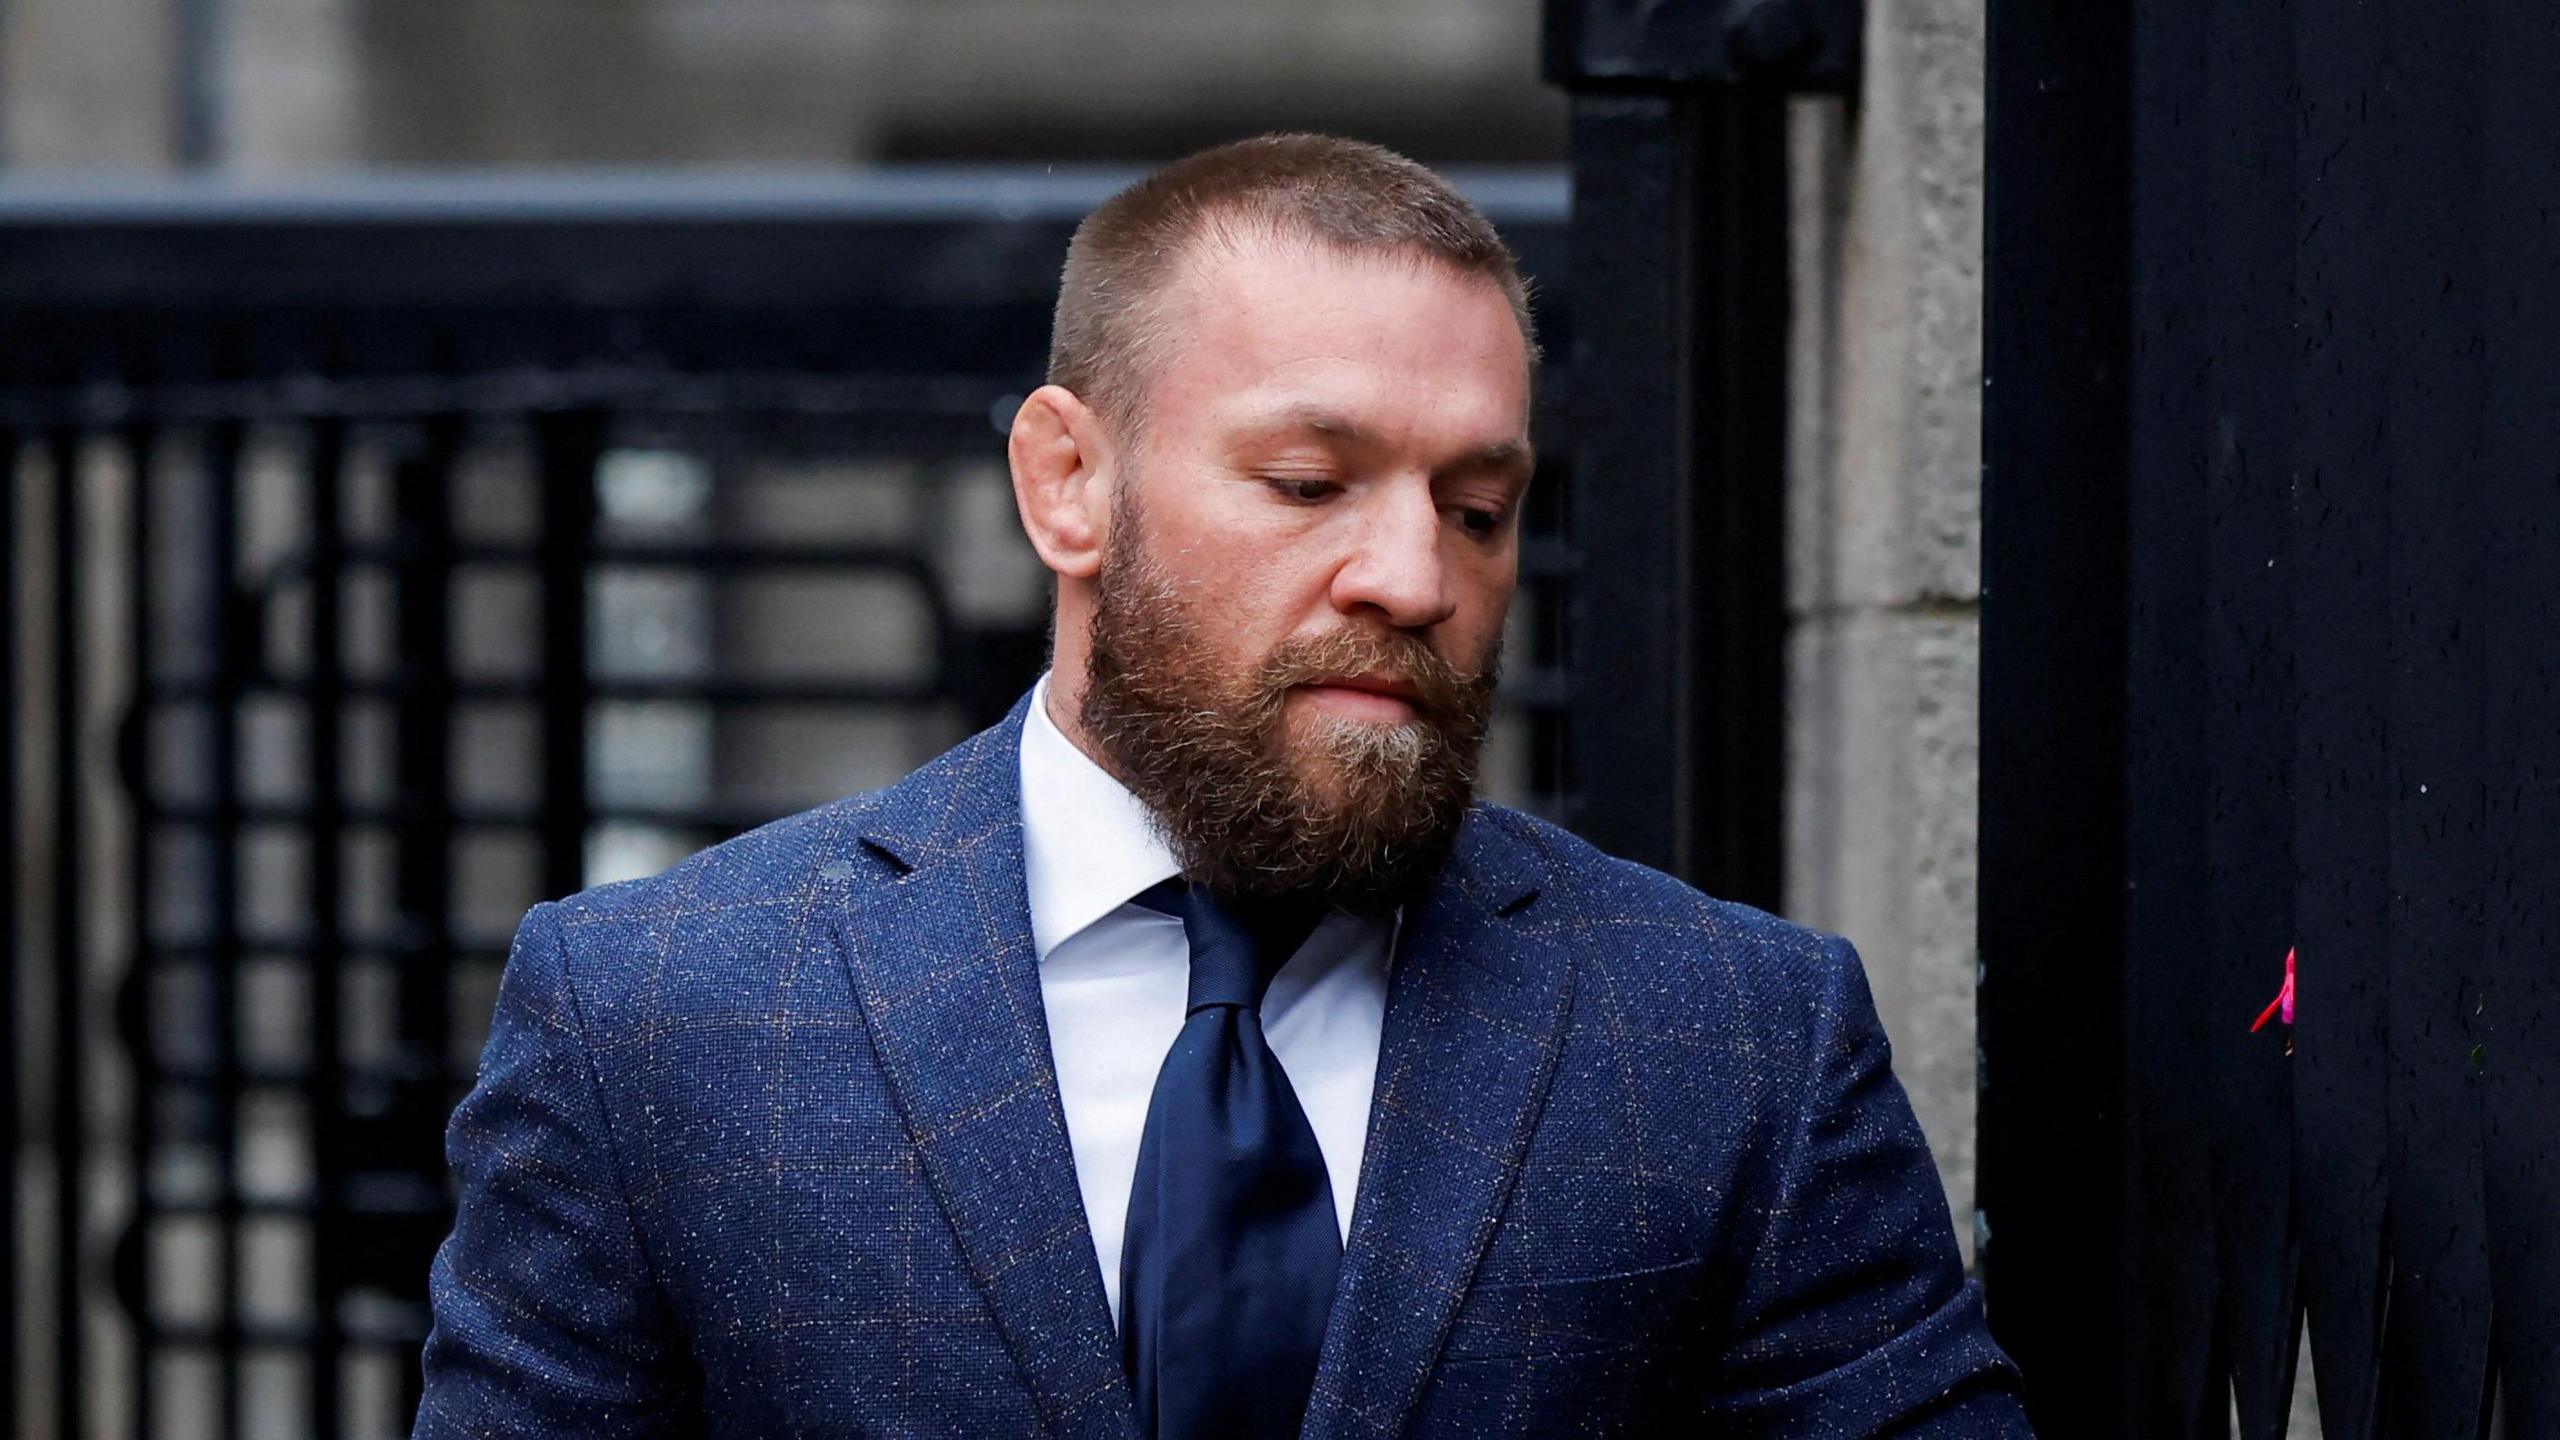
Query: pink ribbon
{"points": [[2283, 1003]]}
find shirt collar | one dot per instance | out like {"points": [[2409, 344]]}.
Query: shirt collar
{"points": [[1088, 845]]}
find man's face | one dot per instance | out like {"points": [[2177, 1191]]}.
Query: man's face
{"points": [[1301, 598]]}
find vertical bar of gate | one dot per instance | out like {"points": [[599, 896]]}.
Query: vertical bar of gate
{"points": [[2247, 650], [569, 445], [1678, 247], [222, 952], [2437, 1335], [422, 505], [143, 1040], [2343, 185], [2054, 1253], [422, 502], [2521, 656], [10, 1139], [1633, 464], [69, 1153], [324, 696], [1678, 416], [1739, 653]]}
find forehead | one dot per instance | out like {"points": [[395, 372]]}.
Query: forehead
{"points": [[1259, 328]]}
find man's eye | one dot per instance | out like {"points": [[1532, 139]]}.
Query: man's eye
{"points": [[1303, 489], [1480, 522]]}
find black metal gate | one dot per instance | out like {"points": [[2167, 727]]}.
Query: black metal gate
{"points": [[2271, 708], [384, 560]]}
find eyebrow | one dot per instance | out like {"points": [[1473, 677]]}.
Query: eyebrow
{"points": [[1498, 455]]}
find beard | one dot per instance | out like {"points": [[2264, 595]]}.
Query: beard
{"points": [[1351, 814]]}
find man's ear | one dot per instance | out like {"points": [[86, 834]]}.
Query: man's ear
{"points": [[1061, 459]]}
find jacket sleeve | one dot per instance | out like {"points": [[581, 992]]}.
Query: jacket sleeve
{"points": [[547, 1320], [1853, 1316]]}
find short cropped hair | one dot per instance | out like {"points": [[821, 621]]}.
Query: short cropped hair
{"points": [[1346, 194]]}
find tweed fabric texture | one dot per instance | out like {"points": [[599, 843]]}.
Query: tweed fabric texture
{"points": [[770, 1145]]}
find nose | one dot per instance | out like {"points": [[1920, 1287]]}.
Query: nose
{"points": [[1396, 569]]}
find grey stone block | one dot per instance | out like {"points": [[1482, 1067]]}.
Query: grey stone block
{"points": [[1882, 777], [1886, 366]]}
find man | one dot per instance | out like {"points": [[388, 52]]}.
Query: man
{"points": [[1188, 1055]]}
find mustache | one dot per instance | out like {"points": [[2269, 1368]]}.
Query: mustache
{"points": [[1440, 688]]}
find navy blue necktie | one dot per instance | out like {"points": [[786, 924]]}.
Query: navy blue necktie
{"points": [[1227, 1268]]}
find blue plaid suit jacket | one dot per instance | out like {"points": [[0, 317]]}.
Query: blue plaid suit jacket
{"points": [[770, 1145]]}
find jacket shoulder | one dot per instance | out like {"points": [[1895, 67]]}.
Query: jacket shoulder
{"points": [[728, 928], [777, 863], [1640, 925], [1596, 885]]}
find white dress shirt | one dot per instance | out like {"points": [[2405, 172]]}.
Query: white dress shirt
{"points": [[1115, 980]]}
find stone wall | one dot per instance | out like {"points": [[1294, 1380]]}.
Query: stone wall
{"points": [[1885, 570]]}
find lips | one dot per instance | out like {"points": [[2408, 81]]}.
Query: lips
{"points": [[1369, 672], [1386, 685]]}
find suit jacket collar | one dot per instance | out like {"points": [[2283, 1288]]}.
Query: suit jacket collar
{"points": [[949, 989], [1476, 1008], [943, 967]]}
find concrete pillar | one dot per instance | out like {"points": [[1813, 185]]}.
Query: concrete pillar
{"points": [[1885, 554]]}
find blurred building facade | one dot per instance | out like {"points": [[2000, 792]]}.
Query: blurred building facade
{"points": [[292, 86]]}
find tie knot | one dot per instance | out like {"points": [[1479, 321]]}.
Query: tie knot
{"points": [[1236, 945]]}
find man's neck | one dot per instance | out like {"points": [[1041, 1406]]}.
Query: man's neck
{"points": [[1063, 700]]}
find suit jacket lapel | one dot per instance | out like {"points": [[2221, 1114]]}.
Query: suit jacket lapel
{"points": [[1475, 1011], [948, 982]]}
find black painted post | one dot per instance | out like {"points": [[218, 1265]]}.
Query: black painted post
{"points": [[2271, 664], [569, 445], [422, 505], [2517, 1004], [1678, 406], [2052, 1250], [325, 964], [422, 501]]}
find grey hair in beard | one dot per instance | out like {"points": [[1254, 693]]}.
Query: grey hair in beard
{"points": [[1356, 815]]}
